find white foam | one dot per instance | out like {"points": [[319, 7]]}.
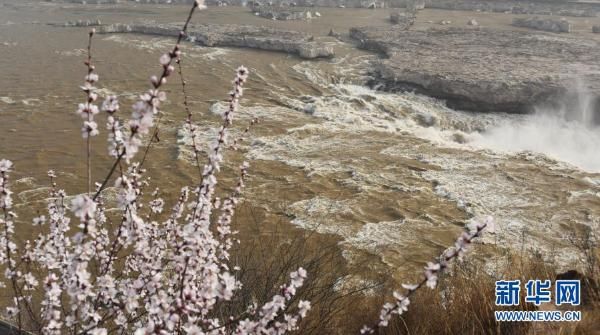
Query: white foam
{"points": [[7, 100], [373, 236], [473, 160], [31, 102], [569, 141], [315, 214], [212, 53], [71, 53], [151, 43]]}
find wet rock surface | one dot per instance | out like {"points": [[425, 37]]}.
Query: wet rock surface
{"points": [[78, 23], [232, 35], [404, 19], [472, 22], [551, 25], [539, 7], [283, 13], [564, 8], [481, 69], [89, 2], [95, 2]]}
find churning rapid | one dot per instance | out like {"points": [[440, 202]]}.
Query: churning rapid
{"points": [[392, 175], [567, 133]]}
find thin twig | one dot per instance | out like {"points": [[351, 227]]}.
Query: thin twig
{"points": [[154, 136], [164, 74], [188, 120], [431, 272], [244, 133], [89, 116]]}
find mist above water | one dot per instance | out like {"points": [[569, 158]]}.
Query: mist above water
{"points": [[568, 131]]}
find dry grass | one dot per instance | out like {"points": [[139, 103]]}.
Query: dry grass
{"points": [[269, 252], [463, 303]]}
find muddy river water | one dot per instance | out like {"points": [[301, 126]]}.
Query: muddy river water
{"points": [[393, 176]]}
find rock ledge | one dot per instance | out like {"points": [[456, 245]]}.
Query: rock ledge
{"points": [[482, 69], [232, 35]]}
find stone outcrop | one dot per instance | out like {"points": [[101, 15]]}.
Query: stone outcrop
{"points": [[165, 1], [562, 8], [532, 7], [372, 4], [481, 69], [404, 19], [283, 13], [472, 22], [415, 5], [552, 25], [78, 23], [232, 35], [90, 2], [376, 38]]}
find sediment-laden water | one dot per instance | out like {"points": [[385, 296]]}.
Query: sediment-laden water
{"points": [[393, 176]]}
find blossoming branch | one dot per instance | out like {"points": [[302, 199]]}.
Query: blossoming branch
{"points": [[132, 272], [430, 275]]}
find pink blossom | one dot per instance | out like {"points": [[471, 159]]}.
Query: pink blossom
{"points": [[304, 307], [156, 205], [200, 4], [150, 273], [91, 78], [83, 207], [111, 104], [39, 220], [5, 165], [410, 287], [431, 271], [165, 59], [86, 110], [90, 128]]}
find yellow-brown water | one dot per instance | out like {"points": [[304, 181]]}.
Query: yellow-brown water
{"points": [[386, 174]]}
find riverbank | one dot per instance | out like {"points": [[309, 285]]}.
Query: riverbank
{"points": [[491, 66], [482, 69], [232, 35]]}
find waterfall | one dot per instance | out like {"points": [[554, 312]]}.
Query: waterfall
{"points": [[567, 130]]}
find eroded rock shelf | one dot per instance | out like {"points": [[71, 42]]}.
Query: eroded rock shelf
{"points": [[232, 35], [481, 69]]}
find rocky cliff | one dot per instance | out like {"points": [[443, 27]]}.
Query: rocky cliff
{"points": [[283, 13], [533, 7], [539, 7], [232, 35], [479, 69]]}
